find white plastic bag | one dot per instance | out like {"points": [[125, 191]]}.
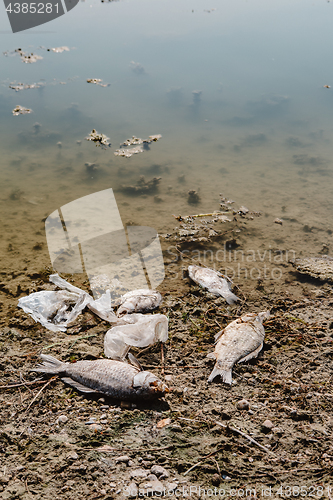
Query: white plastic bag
{"points": [[57, 309], [139, 330]]}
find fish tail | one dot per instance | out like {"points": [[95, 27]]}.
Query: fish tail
{"points": [[51, 365], [225, 374], [231, 298]]}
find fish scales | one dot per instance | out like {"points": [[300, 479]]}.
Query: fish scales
{"points": [[116, 379], [240, 341], [210, 279]]}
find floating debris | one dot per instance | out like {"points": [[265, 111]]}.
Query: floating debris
{"points": [[98, 81], [139, 330], [278, 221], [24, 86], [58, 50], [25, 57], [139, 301], [317, 267], [240, 341], [20, 110], [127, 153], [143, 186], [59, 144], [116, 379], [213, 281], [136, 141], [99, 139], [326, 86], [133, 141]]}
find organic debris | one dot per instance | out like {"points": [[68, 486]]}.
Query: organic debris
{"points": [[99, 139], [98, 81], [142, 186], [58, 50], [317, 267], [127, 153], [24, 86], [20, 110]]}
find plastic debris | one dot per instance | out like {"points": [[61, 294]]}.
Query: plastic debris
{"points": [[99, 139], [139, 330], [20, 110], [57, 309]]}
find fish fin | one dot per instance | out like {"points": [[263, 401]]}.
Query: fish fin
{"points": [[225, 375], [77, 385], [231, 298], [218, 335], [252, 354], [211, 355], [135, 362], [50, 365]]}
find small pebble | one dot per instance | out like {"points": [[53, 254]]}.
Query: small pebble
{"points": [[92, 420], [72, 456], [268, 425], [95, 427], [168, 378], [132, 490], [160, 472], [278, 221], [123, 459], [102, 492], [62, 419], [243, 405]]}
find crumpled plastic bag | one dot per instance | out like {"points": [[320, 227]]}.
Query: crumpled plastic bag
{"points": [[139, 330], [57, 309]]}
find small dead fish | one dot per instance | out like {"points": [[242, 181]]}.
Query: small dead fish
{"points": [[240, 341], [116, 379], [139, 301], [210, 279]]}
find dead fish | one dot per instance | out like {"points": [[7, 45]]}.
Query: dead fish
{"points": [[139, 301], [116, 379], [210, 279], [240, 341]]}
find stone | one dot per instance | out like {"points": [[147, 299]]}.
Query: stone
{"points": [[243, 405], [159, 471]]}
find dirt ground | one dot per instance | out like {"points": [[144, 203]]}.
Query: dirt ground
{"points": [[56, 443]]}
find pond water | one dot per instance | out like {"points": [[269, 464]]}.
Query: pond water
{"points": [[236, 89]]}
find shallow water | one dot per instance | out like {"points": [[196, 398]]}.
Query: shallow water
{"points": [[259, 132]]}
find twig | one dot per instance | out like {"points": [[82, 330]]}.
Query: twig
{"points": [[37, 381], [203, 460], [39, 392], [194, 323], [182, 217], [162, 358], [233, 429]]}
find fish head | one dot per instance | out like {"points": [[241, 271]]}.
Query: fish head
{"points": [[147, 384]]}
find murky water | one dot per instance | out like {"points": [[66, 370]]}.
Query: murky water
{"points": [[235, 88]]}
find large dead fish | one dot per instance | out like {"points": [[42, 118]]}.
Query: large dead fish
{"points": [[139, 301], [210, 279], [116, 379], [240, 341]]}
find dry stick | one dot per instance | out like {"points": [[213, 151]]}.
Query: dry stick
{"points": [[38, 393], [245, 435], [234, 430], [162, 358], [38, 381], [180, 217], [201, 461]]}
